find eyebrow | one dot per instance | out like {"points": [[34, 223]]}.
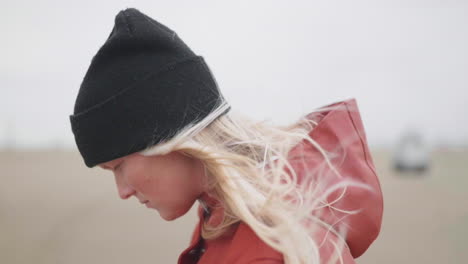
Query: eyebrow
{"points": [[103, 167], [109, 168]]}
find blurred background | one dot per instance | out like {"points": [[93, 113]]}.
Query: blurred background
{"points": [[405, 62]]}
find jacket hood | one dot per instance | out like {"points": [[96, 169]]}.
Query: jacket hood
{"points": [[340, 130]]}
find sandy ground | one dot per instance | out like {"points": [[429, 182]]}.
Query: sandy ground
{"points": [[53, 209]]}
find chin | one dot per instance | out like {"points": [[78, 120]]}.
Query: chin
{"points": [[170, 218], [174, 214]]}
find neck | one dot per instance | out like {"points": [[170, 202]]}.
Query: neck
{"points": [[214, 213]]}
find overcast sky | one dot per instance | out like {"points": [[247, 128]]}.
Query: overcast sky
{"points": [[405, 62]]}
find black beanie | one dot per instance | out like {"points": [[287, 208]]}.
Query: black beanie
{"points": [[142, 87]]}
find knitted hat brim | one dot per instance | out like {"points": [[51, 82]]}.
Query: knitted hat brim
{"points": [[139, 116]]}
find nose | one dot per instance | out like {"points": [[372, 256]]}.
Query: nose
{"points": [[124, 190]]}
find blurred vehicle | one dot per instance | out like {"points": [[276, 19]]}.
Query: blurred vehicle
{"points": [[411, 153]]}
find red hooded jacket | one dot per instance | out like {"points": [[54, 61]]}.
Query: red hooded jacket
{"points": [[338, 129]]}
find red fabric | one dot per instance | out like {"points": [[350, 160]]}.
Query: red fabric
{"points": [[339, 130]]}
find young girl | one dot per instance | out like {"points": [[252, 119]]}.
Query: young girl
{"points": [[150, 111]]}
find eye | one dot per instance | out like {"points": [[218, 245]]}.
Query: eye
{"points": [[118, 166], [104, 167]]}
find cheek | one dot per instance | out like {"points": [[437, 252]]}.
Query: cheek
{"points": [[166, 179], [187, 179], [141, 182], [140, 179]]}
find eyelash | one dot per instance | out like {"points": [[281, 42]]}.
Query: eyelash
{"points": [[118, 166]]}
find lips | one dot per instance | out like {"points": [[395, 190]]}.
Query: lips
{"points": [[144, 202]]}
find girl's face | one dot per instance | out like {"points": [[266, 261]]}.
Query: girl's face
{"points": [[169, 183]]}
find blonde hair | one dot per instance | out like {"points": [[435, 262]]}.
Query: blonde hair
{"points": [[245, 163]]}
